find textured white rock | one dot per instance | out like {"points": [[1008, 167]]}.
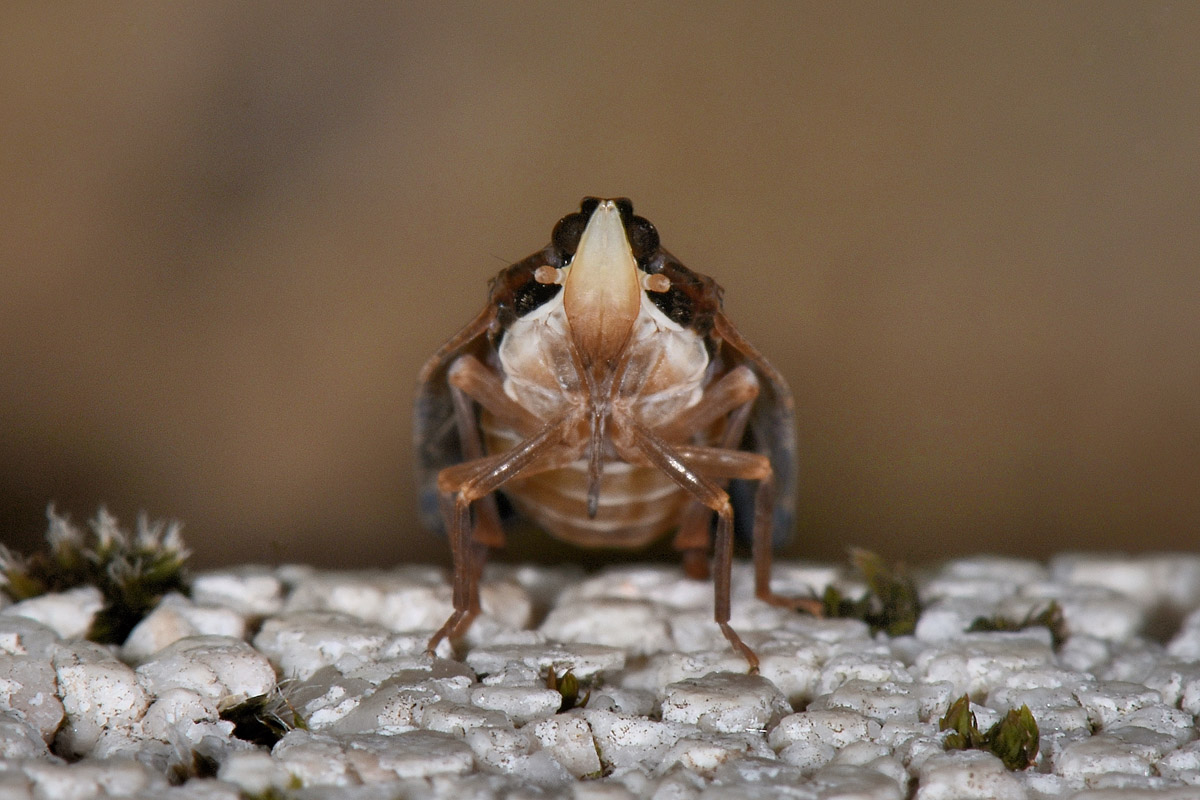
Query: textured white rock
{"points": [[301, 643], [836, 728], [585, 660], [22, 636], [725, 702], [638, 626], [977, 663], [522, 704], [967, 775], [624, 741], [19, 739], [69, 613], [1085, 760], [569, 739], [173, 619], [886, 702], [222, 668], [406, 599], [318, 759], [29, 692], [98, 693], [250, 590]]}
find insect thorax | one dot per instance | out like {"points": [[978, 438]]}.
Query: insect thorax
{"points": [[664, 372]]}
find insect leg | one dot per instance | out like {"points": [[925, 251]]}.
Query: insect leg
{"points": [[674, 464], [733, 395], [472, 382], [465, 483], [724, 463]]}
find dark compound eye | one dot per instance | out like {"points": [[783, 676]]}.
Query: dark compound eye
{"points": [[643, 239], [624, 208], [568, 232], [587, 205]]}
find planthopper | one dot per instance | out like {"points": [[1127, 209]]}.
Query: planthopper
{"points": [[605, 393]]}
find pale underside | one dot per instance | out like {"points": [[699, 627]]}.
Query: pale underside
{"points": [[665, 373]]}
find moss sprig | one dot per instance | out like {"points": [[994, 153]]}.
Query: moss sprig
{"points": [[891, 603], [132, 570], [1013, 739], [1050, 617]]}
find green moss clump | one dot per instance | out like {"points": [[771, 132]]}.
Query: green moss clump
{"points": [[132, 570], [568, 686], [1014, 739], [891, 603], [1050, 617]]}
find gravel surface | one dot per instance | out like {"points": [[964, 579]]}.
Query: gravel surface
{"points": [[835, 713]]}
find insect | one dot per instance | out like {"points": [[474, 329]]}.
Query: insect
{"points": [[603, 390]]}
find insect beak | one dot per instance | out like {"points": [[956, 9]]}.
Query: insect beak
{"points": [[602, 293]]}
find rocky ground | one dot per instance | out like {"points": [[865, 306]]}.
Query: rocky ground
{"points": [[349, 706]]}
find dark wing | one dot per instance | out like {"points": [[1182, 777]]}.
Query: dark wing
{"points": [[770, 431], [435, 435]]}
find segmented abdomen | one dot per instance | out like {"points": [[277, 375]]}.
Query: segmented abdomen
{"points": [[637, 504]]}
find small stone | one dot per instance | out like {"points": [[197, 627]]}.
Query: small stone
{"points": [[1181, 765], [725, 702], [174, 618], [69, 613], [1106, 701], [522, 704], [835, 728], [223, 668], [29, 692], [584, 660], [254, 772], [625, 741], [847, 782], [98, 693], [250, 590], [976, 663], [22, 636], [886, 702], [638, 626], [321, 760], [1084, 760], [569, 739], [703, 754], [967, 775], [870, 667], [19, 739], [447, 716], [303, 642]]}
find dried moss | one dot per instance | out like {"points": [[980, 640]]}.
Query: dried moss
{"points": [[132, 570], [568, 686]]}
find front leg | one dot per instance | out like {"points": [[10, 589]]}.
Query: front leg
{"points": [[463, 484]]}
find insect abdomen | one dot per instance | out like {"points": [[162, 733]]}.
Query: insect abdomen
{"points": [[637, 504]]}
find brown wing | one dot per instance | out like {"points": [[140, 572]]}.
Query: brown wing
{"points": [[435, 435], [771, 431]]}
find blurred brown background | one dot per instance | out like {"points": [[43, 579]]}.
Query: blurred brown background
{"points": [[966, 233]]}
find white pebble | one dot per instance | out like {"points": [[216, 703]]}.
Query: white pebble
{"points": [[249, 590], [1086, 759], [870, 667], [856, 783], [1181, 765], [1105, 701], [19, 739], [885, 702], [320, 760], [301, 643], [174, 618], [584, 660], [704, 754], [98, 693], [967, 775], [223, 668], [976, 663], [29, 691], [638, 626], [725, 702], [836, 728], [569, 739], [522, 704], [69, 613], [627, 741]]}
